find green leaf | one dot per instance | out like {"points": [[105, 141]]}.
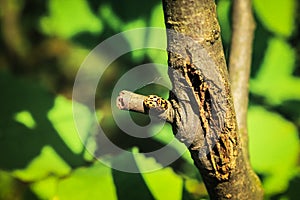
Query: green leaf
{"points": [[274, 79], [48, 162], [25, 118], [223, 9], [136, 39], [273, 148], [46, 188], [158, 39], [165, 136], [163, 183], [68, 18], [277, 15], [157, 17], [132, 182], [107, 14], [94, 182], [61, 116]]}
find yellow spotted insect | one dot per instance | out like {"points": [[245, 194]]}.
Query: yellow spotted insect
{"points": [[155, 102]]}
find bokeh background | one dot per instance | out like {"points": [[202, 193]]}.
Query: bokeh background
{"points": [[42, 45]]}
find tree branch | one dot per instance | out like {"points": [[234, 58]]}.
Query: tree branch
{"points": [[239, 70], [240, 63], [160, 107], [200, 106]]}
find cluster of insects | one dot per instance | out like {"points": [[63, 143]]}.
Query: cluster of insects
{"points": [[155, 102]]}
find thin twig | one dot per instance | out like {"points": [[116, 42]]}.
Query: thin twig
{"points": [[138, 103]]}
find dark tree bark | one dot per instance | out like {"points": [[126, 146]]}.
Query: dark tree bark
{"points": [[199, 74], [200, 106]]}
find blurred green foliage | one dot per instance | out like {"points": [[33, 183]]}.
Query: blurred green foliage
{"points": [[43, 44]]}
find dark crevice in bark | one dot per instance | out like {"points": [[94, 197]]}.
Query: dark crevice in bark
{"points": [[200, 80], [200, 106]]}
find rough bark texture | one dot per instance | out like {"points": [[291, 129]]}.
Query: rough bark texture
{"points": [[204, 116]]}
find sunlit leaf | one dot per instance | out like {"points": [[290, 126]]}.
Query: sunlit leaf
{"points": [[277, 15], [158, 38], [274, 79], [273, 147], [157, 17], [108, 15], [61, 117], [223, 9], [25, 118], [68, 18], [163, 183], [136, 39], [48, 162], [45, 188], [165, 135], [93, 182]]}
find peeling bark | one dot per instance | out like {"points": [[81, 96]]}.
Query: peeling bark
{"points": [[201, 87], [200, 106]]}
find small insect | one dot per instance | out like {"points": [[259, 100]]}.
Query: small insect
{"points": [[155, 102], [213, 36]]}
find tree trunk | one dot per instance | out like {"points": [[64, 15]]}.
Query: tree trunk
{"points": [[204, 115]]}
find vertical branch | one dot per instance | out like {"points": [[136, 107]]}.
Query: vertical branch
{"points": [[240, 62], [239, 70], [200, 107], [201, 97]]}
